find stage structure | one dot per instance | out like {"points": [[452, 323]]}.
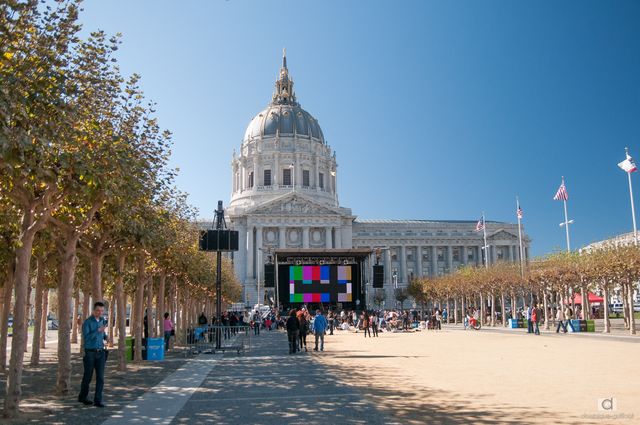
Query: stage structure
{"points": [[324, 278]]}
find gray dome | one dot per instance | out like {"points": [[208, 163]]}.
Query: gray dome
{"points": [[284, 120]]}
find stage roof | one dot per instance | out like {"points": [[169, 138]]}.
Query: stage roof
{"points": [[312, 252]]}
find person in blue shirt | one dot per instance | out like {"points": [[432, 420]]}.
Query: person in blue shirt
{"points": [[319, 328], [95, 357]]}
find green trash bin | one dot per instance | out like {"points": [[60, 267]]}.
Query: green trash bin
{"points": [[128, 352]]}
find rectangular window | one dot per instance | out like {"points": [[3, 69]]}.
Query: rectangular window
{"points": [[440, 254], [321, 180], [267, 177], [305, 178], [470, 254], [456, 254], [251, 179], [409, 254], [286, 177]]}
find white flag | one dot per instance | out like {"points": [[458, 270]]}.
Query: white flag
{"points": [[628, 165]]}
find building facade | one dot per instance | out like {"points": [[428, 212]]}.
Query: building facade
{"points": [[285, 195]]}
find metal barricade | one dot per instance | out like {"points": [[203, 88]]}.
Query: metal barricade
{"points": [[204, 339]]}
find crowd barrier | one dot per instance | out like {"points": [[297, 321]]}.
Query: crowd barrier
{"points": [[204, 339], [574, 325]]}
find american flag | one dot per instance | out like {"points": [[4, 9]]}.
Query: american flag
{"points": [[561, 194], [519, 212], [480, 225]]}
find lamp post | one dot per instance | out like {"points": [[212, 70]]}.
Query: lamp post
{"points": [[394, 278]]}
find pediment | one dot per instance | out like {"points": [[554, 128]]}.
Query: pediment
{"points": [[292, 204], [502, 235]]}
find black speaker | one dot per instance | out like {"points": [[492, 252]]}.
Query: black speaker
{"points": [[218, 240], [269, 276], [378, 276]]}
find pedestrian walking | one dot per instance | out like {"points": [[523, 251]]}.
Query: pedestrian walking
{"points": [[293, 328], [95, 356], [535, 313], [528, 310], [374, 324], [304, 329], [168, 331], [319, 329], [561, 322], [365, 324], [332, 322]]}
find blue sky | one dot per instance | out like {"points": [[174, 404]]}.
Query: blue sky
{"points": [[436, 110]]}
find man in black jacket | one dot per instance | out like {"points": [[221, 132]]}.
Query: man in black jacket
{"points": [[293, 329]]}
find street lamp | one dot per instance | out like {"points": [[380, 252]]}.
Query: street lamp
{"points": [[394, 278]]}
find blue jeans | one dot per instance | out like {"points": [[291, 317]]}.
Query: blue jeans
{"points": [[92, 360], [167, 337]]}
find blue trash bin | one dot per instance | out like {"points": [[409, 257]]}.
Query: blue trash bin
{"points": [[155, 349]]}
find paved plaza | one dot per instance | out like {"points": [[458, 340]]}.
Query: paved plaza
{"points": [[448, 377]]}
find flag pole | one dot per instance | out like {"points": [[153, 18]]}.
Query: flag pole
{"points": [[486, 248], [633, 209], [566, 225], [520, 237]]}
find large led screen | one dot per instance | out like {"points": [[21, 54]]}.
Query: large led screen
{"points": [[320, 284]]}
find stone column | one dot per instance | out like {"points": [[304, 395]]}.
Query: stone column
{"points": [[240, 262], [259, 261], [256, 169], [463, 253], [450, 258], [305, 237], [434, 260], [387, 268], [250, 268], [402, 276], [338, 241], [327, 237], [419, 260], [282, 237], [275, 171]]}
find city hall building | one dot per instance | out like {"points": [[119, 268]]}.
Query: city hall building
{"points": [[284, 196]]}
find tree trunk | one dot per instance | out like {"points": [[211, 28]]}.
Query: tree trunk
{"points": [[6, 310], [18, 340], [68, 264], [112, 317], [455, 310], [514, 306], [632, 320], [151, 329], [493, 309], [140, 280], [122, 314], [45, 316], [76, 315], [464, 308], [625, 307], [86, 312], [503, 309], [35, 345], [545, 306], [607, 323], [96, 277], [482, 315], [160, 303]]}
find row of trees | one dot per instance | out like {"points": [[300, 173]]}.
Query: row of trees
{"points": [[87, 202], [551, 282]]}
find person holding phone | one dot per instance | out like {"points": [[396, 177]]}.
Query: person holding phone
{"points": [[95, 355]]}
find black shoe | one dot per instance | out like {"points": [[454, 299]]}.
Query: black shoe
{"points": [[315, 349], [98, 404], [85, 402]]}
